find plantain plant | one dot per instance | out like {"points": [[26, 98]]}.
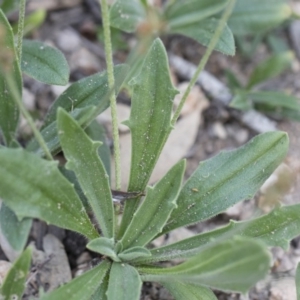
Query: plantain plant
{"points": [[33, 185]]}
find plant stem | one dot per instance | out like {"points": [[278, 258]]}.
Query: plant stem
{"points": [[212, 44], [17, 98], [111, 84], [21, 29]]}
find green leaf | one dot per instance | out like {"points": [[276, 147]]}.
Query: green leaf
{"points": [[228, 178], [203, 32], [100, 293], [14, 283], [50, 134], [9, 5], [252, 17], [181, 13], [44, 63], [33, 187], [82, 156], [184, 291], [126, 15], [234, 265], [82, 287], [89, 91], [270, 68], [298, 281], [232, 81], [275, 229], [134, 253], [152, 215], [16, 232], [149, 122], [96, 132], [104, 246], [9, 71], [275, 99], [124, 283], [241, 101]]}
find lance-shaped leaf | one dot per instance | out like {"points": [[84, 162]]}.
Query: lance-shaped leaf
{"points": [[234, 265], [134, 253], [14, 232], [100, 293], [270, 68], [152, 215], [150, 120], [104, 246], [203, 32], [126, 15], [298, 281], [252, 17], [185, 12], [9, 71], [124, 283], [275, 229], [82, 287], [33, 187], [82, 156], [89, 91], [44, 63], [14, 283], [184, 291], [50, 133], [228, 178]]}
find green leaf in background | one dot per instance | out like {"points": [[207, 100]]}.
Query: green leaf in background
{"points": [[103, 246], [126, 15], [82, 287], [134, 253], [50, 134], [9, 71], [203, 32], [270, 68], [89, 91], [82, 158], [226, 179], [275, 99], [275, 229], [8, 5], [234, 265], [124, 283], [298, 281], [44, 63], [14, 283], [252, 17], [33, 187], [232, 81], [15, 232], [241, 101], [96, 132], [186, 12], [184, 291], [150, 120], [152, 215]]}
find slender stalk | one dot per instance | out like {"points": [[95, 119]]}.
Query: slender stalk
{"points": [[21, 29], [17, 98], [111, 83], [212, 44]]}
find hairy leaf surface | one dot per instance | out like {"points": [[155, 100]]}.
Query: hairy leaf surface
{"points": [[275, 229], [184, 291], [82, 156], [44, 63], [234, 265], [33, 187], [103, 246], [228, 178], [150, 120], [134, 253], [14, 283], [124, 283], [9, 70], [82, 287], [152, 215]]}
